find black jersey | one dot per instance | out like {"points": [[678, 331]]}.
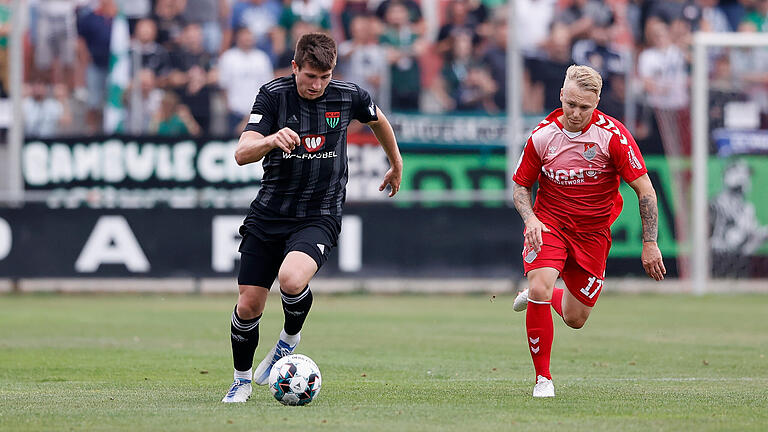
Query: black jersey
{"points": [[312, 179]]}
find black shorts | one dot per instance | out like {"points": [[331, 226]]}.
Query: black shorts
{"points": [[268, 239]]}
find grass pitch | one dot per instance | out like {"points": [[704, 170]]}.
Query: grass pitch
{"points": [[455, 363]]}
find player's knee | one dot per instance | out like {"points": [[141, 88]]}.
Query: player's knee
{"points": [[290, 282], [538, 290], [249, 307], [574, 322]]}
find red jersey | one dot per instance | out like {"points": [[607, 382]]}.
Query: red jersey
{"points": [[579, 177]]}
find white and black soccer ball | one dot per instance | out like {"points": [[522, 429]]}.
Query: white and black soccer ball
{"points": [[295, 380]]}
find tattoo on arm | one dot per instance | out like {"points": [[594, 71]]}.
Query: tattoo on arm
{"points": [[649, 214], [522, 198]]}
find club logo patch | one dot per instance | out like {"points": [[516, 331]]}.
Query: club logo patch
{"points": [[332, 118], [313, 143], [590, 151]]}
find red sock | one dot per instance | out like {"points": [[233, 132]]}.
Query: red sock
{"points": [[538, 323], [557, 301]]}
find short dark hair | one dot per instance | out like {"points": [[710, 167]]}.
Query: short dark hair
{"points": [[318, 50]]}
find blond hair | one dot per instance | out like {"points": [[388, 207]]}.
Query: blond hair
{"points": [[585, 77]]}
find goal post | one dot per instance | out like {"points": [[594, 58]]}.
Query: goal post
{"points": [[701, 248]]}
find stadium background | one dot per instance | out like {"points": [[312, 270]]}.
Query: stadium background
{"points": [[117, 133], [131, 110]]}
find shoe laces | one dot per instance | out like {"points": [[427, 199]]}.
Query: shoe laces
{"points": [[237, 385], [282, 349]]}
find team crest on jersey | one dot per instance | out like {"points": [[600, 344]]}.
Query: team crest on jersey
{"points": [[313, 143], [590, 151], [332, 118]]}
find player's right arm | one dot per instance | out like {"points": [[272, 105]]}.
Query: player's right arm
{"points": [[526, 173], [256, 141], [253, 146]]}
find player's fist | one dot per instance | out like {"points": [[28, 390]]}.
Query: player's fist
{"points": [[286, 139]]}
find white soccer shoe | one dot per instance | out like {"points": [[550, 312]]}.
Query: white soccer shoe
{"points": [[543, 387], [521, 301], [280, 350], [240, 391]]}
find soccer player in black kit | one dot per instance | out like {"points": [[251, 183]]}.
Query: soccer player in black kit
{"points": [[298, 125]]}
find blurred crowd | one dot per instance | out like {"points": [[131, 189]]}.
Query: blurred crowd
{"points": [[201, 62]]}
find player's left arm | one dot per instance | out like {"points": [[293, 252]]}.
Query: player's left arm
{"points": [[629, 163], [386, 137], [649, 214]]}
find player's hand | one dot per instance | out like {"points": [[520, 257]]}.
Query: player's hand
{"points": [[392, 178], [652, 261], [533, 229], [286, 139]]}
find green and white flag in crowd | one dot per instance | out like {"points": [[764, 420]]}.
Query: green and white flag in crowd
{"points": [[119, 75]]}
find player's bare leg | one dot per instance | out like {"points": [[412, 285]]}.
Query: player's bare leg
{"points": [[295, 273], [244, 330], [575, 313], [539, 327]]}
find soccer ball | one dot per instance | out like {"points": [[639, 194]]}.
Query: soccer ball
{"points": [[295, 380]]}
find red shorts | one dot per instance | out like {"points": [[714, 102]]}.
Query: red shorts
{"points": [[578, 256]]}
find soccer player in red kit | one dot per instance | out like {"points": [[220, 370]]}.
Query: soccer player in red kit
{"points": [[579, 156]]}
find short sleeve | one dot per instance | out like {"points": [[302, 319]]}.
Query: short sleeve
{"points": [[529, 165], [262, 118], [363, 108], [626, 156]]}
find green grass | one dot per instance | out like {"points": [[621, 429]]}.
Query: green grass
{"points": [[448, 363]]}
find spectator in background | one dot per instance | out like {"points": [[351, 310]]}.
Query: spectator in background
{"points": [[55, 40], [413, 13], [261, 18], [405, 47], [476, 93], [581, 15], [46, 116], [361, 59], [749, 68], [758, 16], [662, 70], [713, 19], [153, 55], [170, 23], [734, 10], [450, 87], [94, 27], [5, 31], [312, 11], [148, 103], [282, 64], [349, 10], [193, 74], [533, 24], [546, 74], [242, 71], [495, 58], [597, 53], [134, 10], [459, 22], [173, 118], [207, 14]]}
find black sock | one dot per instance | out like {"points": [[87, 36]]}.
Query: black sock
{"points": [[245, 339], [295, 308]]}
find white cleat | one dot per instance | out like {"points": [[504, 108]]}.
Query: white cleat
{"points": [[240, 391], [521, 301], [280, 350], [543, 387]]}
